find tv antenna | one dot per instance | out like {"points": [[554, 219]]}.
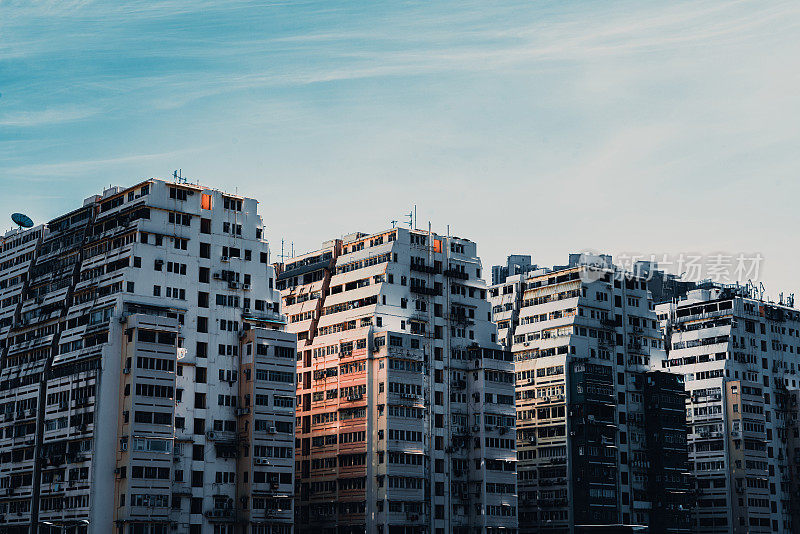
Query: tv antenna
{"points": [[178, 176], [283, 256], [21, 220]]}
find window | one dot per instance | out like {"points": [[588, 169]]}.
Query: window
{"points": [[204, 275], [178, 194], [199, 426], [231, 204], [205, 250]]}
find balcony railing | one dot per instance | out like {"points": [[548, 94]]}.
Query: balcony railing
{"points": [[453, 273]]}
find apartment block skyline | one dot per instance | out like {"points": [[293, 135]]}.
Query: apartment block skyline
{"points": [[376, 385], [147, 386], [405, 399]]}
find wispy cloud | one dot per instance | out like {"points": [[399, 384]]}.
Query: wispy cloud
{"points": [[553, 111], [76, 168], [46, 117]]}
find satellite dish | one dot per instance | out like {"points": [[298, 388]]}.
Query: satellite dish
{"points": [[22, 220]]}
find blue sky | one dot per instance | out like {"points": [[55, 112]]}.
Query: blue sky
{"points": [[529, 127]]}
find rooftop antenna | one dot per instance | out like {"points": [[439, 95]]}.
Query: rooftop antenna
{"points": [[21, 220], [394, 223], [178, 177], [411, 219], [415, 216]]}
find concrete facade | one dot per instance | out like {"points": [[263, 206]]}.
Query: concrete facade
{"points": [[585, 340], [146, 385], [740, 357], [405, 399]]}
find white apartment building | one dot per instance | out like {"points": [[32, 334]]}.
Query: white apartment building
{"points": [[405, 400], [146, 383], [740, 357], [600, 438]]}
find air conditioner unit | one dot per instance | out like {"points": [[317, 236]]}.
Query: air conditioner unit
{"points": [[210, 435], [271, 429], [126, 371], [245, 286], [246, 310], [217, 276], [233, 285], [476, 428], [224, 259]]}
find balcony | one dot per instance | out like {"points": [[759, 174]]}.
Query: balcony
{"points": [[266, 316], [453, 273], [424, 290], [461, 319], [422, 268], [221, 515]]}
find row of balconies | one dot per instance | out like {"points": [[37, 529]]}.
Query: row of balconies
{"points": [[18, 416], [421, 268]]}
